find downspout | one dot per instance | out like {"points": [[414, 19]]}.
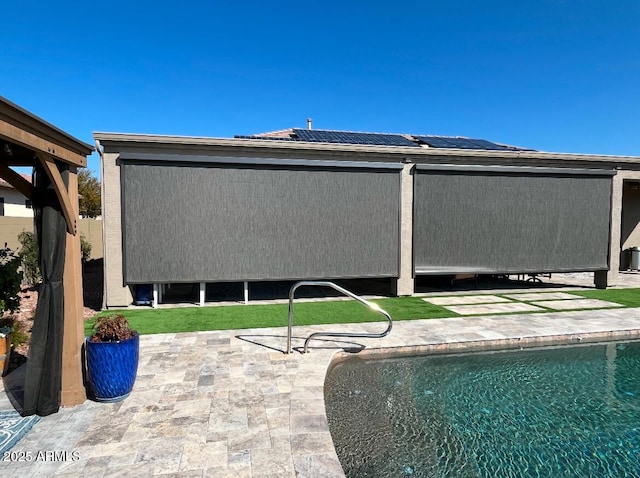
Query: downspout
{"points": [[100, 151], [99, 148]]}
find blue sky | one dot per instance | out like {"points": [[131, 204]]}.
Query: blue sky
{"points": [[554, 75]]}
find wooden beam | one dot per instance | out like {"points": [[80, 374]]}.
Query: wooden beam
{"points": [[61, 191], [17, 181], [17, 135], [73, 391]]}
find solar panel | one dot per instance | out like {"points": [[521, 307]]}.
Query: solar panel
{"points": [[464, 143], [347, 137], [484, 144], [387, 139]]}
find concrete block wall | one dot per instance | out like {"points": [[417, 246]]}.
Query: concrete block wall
{"points": [[11, 227]]}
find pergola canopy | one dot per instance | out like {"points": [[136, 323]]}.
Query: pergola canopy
{"points": [[54, 367], [33, 134], [25, 140]]}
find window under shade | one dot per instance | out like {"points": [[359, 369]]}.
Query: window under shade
{"points": [[510, 220], [219, 222]]}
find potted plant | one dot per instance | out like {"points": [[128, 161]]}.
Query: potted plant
{"points": [[112, 358]]}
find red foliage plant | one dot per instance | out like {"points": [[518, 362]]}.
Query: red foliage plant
{"points": [[112, 328]]}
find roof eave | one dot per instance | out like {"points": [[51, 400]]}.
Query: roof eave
{"points": [[18, 116], [406, 153]]}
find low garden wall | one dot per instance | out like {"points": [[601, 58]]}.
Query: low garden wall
{"points": [[11, 227]]}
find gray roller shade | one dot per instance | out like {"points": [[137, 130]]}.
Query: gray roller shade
{"points": [[188, 222], [510, 220]]}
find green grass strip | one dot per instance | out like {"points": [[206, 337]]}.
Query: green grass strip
{"points": [[626, 297], [191, 319]]}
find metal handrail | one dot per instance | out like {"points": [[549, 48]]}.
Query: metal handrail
{"points": [[371, 305]]}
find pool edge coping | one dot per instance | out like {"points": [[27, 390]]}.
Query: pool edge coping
{"points": [[509, 343]]}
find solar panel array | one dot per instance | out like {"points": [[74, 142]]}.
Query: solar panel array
{"points": [[347, 137], [386, 139], [463, 143]]}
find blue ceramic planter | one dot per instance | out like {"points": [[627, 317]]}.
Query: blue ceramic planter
{"points": [[112, 368]]}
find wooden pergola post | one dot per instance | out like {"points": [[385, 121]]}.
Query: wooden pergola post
{"points": [[73, 391], [26, 140]]}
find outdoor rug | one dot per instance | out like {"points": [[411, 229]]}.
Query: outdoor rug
{"points": [[13, 427]]}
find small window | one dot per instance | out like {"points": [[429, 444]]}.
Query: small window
{"points": [[1, 206], [28, 204]]}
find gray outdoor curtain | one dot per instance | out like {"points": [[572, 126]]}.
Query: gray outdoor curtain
{"points": [[44, 366], [509, 220], [210, 221]]}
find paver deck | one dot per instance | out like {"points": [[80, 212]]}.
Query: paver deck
{"points": [[576, 304], [509, 307], [466, 299], [231, 403], [543, 296]]}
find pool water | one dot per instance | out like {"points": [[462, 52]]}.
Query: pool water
{"points": [[544, 412]]}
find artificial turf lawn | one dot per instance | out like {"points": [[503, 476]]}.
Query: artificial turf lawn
{"points": [[190, 319], [626, 297]]}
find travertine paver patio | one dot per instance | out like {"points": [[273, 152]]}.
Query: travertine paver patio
{"points": [[466, 299], [231, 403], [576, 304], [509, 307], [481, 304], [543, 296]]}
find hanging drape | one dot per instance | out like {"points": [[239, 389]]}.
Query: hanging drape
{"points": [[44, 365]]}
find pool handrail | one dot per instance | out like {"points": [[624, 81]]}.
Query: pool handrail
{"points": [[371, 305]]}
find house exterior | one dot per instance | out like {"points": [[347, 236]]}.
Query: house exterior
{"points": [[12, 202], [320, 204]]}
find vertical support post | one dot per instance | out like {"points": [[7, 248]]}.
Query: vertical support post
{"points": [[246, 292], [160, 293], [404, 285], [603, 279], [72, 392], [203, 288], [116, 294], [154, 304]]}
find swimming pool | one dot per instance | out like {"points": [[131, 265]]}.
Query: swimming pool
{"points": [[556, 411]]}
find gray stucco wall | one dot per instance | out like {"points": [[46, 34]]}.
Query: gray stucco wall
{"points": [[405, 284], [116, 294]]}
